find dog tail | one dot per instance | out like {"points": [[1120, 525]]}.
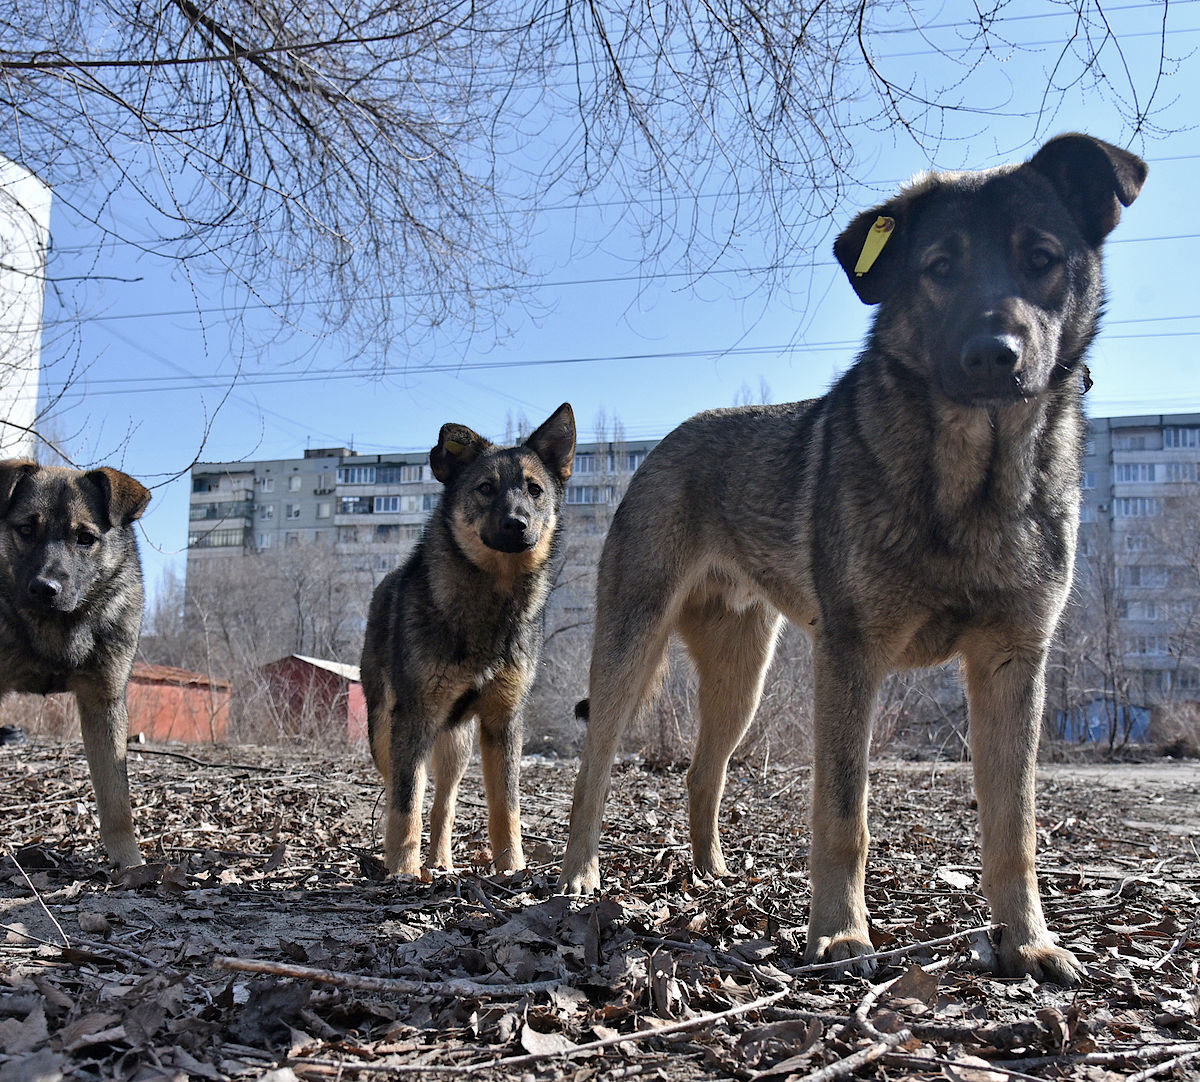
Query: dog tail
{"points": [[583, 709]]}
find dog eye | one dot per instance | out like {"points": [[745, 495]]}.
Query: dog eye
{"points": [[485, 488], [940, 268], [85, 539], [535, 489], [25, 530], [1040, 260]]}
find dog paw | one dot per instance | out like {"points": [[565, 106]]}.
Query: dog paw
{"points": [[125, 855], [583, 881], [1042, 961], [853, 950]]}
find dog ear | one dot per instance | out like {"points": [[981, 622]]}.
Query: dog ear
{"points": [[1093, 179], [457, 445], [11, 471], [870, 250], [554, 442], [124, 498]]}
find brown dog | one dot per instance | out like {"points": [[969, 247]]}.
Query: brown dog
{"points": [[926, 507], [71, 612], [456, 633]]}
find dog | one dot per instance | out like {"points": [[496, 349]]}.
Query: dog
{"points": [[925, 507], [456, 633], [71, 612]]}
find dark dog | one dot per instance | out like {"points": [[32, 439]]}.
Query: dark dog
{"points": [[456, 632], [71, 612], [926, 507]]}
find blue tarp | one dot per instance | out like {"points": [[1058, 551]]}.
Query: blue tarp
{"points": [[1090, 723]]}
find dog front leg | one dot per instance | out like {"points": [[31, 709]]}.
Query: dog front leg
{"points": [[500, 738], [846, 684], [1006, 689], [451, 751], [409, 747], [104, 723]]}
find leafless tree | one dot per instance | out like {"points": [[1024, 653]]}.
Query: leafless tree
{"points": [[372, 164]]}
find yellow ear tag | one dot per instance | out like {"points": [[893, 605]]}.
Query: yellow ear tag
{"points": [[879, 235], [455, 448]]}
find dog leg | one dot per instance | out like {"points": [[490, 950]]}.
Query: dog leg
{"points": [[406, 795], [846, 684], [732, 651], [500, 737], [451, 753], [1006, 688], [626, 661], [104, 724]]}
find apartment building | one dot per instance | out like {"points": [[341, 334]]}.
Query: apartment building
{"points": [[1138, 583], [1139, 548], [370, 509]]}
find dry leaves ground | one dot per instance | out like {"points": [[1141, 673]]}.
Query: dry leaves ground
{"points": [[265, 860]]}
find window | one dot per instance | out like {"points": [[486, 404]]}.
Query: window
{"points": [[294, 482], [347, 535], [398, 504], [1089, 480], [1181, 437], [585, 463], [354, 505], [429, 501], [391, 475], [324, 509], [1128, 442], [293, 510], [264, 540], [1087, 513], [1135, 472], [1136, 507], [356, 475], [1152, 645], [589, 494], [1142, 576], [1183, 471], [266, 510], [215, 539], [266, 484], [1137, 542]]}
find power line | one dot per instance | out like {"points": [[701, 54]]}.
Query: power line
{"points": [[564, 283]]}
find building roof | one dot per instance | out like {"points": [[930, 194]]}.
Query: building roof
{"points": [[346, 672], [167, 674]]}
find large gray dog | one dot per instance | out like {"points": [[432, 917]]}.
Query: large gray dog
{"points": [[926, 507]]}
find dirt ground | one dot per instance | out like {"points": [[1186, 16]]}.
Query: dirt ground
{"points": [[263, 942]]}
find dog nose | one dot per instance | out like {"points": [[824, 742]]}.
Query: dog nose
{"points": [[514, 525], [45, 589], [990, 356]]}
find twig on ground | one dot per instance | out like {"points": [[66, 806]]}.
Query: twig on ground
{"points": [[447, 987], [897, 952], [25, 875]]}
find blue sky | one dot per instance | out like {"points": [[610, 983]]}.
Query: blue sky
{"points": [[152, 382]]}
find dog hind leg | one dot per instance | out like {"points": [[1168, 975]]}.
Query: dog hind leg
{"points": [[732, 650], [628, 659]]}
